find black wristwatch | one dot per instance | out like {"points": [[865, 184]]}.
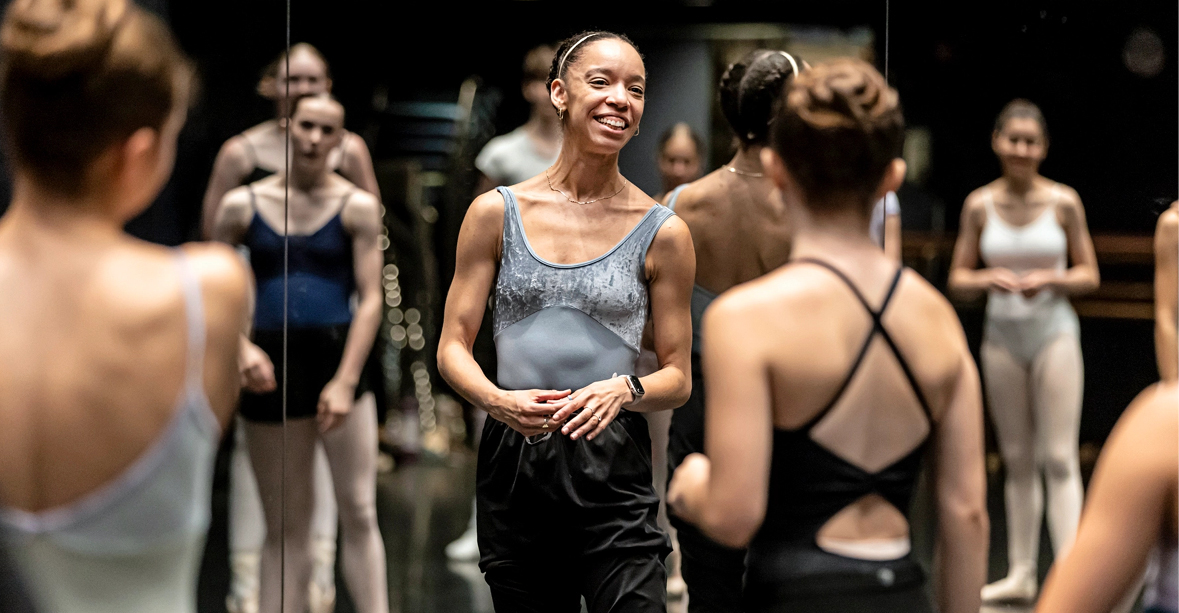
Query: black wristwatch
{"points": [[636, 387]]}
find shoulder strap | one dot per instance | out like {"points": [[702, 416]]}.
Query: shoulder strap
{"points": [[675, 194], [651, 225], [877, 328], [513, 224], [194, 308]]}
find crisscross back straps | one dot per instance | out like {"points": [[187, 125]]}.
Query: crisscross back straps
{"points": [[877, 328]]}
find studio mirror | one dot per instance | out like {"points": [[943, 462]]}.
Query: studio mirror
{"points": [[1020, 118]]}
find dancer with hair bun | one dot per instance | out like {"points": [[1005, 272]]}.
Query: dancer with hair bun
{"points": [[740, 231], [829, 377], [118, 361], [1030, 236], [575, 259]]}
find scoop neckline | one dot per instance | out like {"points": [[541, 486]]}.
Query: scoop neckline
{"points": [[524, 235]]}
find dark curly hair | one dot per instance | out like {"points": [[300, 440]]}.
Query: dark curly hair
{"points": [[839, 128]]}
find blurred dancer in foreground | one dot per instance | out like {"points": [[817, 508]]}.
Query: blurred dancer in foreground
{"points": [[1131, 515], [118, 361]]}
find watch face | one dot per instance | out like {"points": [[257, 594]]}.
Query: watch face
{"points": [[636, 386]]}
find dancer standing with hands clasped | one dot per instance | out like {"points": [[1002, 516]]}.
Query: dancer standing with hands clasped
{"points": [[828, 378], [1032, 239], [574, 259]]}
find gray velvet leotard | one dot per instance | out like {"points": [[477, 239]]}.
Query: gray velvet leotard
{"points": [[564, 326]]}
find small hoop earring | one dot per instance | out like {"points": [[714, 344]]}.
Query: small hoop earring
{"points": [[637, 130], [561, 114]]}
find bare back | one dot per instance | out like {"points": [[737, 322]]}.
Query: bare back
{"points": [[93, 360], [740, 232], [805, 329]]}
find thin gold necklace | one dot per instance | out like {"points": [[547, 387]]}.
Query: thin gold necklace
{"points": [[745, 173], [550, 180]]}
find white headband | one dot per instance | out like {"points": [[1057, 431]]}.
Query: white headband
{"points": [[561, 64], [790, 59]]}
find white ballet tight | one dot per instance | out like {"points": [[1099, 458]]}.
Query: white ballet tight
{"points": [[247, 525], [351, 451], [1036, 410]]}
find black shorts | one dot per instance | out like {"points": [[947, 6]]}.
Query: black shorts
{"points": [[558, 506], [313, 356]]}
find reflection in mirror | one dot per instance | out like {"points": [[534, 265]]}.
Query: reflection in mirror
{"points": [[1057, 239], [428, 109]]}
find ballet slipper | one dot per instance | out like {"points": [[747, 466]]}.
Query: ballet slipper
{"points": [[243, 586], [321, 592], [1014, 587]]}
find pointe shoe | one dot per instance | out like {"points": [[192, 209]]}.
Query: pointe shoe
{"points": [[321, 592], [243, 583], [1011, 588], [465, 548]]}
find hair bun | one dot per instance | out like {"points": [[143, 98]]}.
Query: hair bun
{"points": [[55, 37], [841, 93]]}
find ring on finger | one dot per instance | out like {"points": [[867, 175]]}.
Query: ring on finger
{"points": [[545, 424], [599, 418]]}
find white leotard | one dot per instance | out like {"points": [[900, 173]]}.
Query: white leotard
{"points": [[1024, 325]]}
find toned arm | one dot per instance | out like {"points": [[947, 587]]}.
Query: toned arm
{"points": [[361, 217], [1166, 288], [225, 283], [231, 167], [725, 493], [1082, 276], [357, 165], [960, 485], [476, 264]]}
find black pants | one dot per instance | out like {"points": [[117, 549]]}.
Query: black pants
{"points": [[622, 583], [561, 519], [712, 571]]}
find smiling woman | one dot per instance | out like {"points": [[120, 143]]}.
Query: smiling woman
{"points": [[577, 258]]}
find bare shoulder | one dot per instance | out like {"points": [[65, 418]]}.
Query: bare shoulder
{"points": [[361, 211], [1153, 413], [487, 210], [673, 237], [355, 150], [221, 271], [1169, 220], [238, 201], [976, 203]]}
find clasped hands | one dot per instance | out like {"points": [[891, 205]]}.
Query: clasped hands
{"points": [[582, 413], [1029, 284]]}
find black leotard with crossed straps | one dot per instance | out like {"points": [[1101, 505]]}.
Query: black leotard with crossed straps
{"points": [[809, 485]]}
